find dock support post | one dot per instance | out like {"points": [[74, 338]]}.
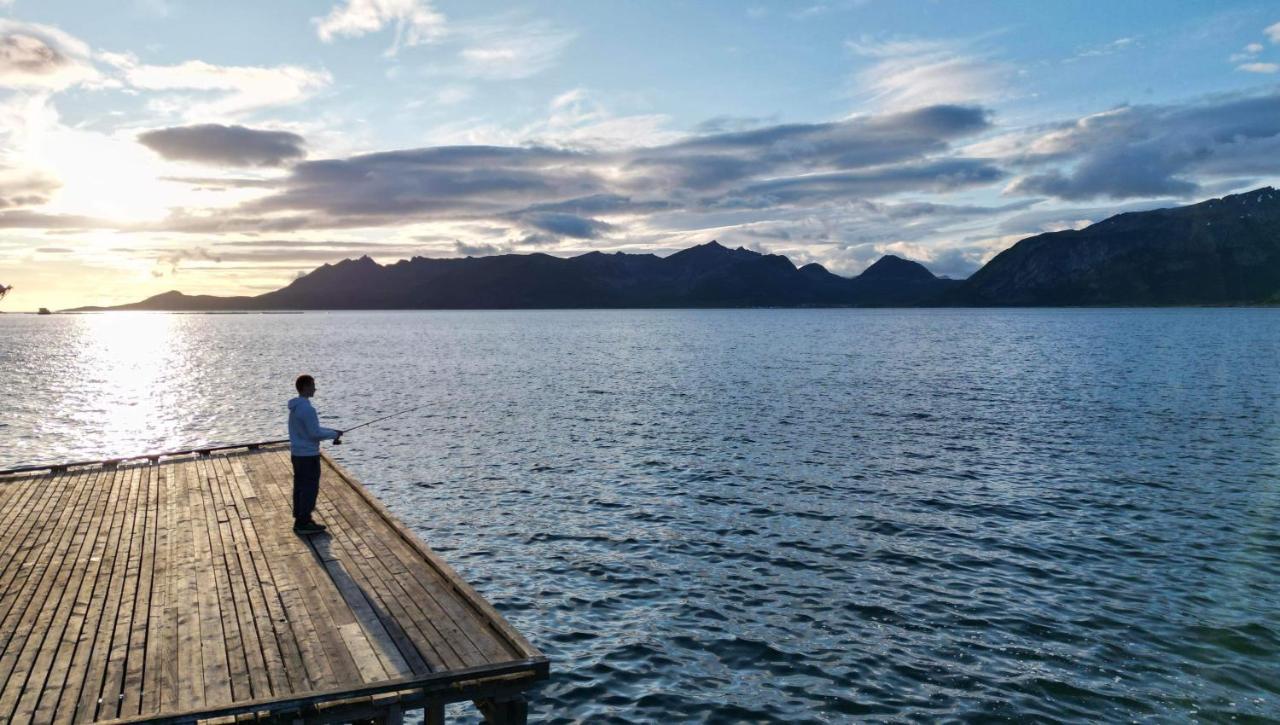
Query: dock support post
{"points": [[433, 714], [510, 710]]}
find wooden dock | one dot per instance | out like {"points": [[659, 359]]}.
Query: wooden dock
{"points": [[174, 590]]}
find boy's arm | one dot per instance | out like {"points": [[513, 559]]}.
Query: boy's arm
{"points": [[315, 430]]}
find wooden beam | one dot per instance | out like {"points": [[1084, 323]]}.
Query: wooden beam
{"points": [[510, 710]]}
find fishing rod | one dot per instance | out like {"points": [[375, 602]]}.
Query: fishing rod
{"points": [[338, 441]]}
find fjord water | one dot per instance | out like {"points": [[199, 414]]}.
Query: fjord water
{"points": [[786, 515]]}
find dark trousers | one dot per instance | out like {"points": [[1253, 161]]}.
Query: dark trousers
{"points": [[306, 486]]}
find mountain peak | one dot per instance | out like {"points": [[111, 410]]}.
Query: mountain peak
{"points": [[891, 267], [710, 252]]}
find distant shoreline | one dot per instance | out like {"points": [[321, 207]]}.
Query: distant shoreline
{"points": [[672, 309]]}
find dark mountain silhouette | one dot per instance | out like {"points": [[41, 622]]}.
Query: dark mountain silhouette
{"points": [[708, 275], [1221, 251]]}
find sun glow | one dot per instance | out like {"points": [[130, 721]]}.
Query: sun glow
{"points": [[124, 361]]}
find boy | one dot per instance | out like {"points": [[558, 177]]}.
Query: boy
{"points": [[305, 435]]}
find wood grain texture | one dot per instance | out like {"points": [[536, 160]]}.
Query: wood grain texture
{"points": [[165, 590]]}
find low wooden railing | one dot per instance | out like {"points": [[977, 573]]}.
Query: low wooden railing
{"points": [[152, 457]]}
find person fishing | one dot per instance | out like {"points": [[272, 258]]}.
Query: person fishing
{"points": [[305, 434]]}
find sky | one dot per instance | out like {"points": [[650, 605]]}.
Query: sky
{"points": [[227, 148]]}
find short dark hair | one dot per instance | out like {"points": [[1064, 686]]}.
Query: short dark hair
{"points": [[303, 380]]}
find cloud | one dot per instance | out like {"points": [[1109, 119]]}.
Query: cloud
{"points": [[453, 95], [24, 187], [939, 176], [602, 204], [171, 258], [447, 180], [508, 50], [225, 145], [1250, 50], [480, 249], [567, 225], [912, 73], [704, 164], [792, 163], [1273, 32], [224, 90], [1259, 67], [726, 124], [24, 219], [1116, 46], [1153, 150], [41, 56], [416, 21]]}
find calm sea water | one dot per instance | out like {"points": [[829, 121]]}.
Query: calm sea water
{"points": [[772, 515]]}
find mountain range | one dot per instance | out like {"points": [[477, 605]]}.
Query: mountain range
{"points": [[1221, 251]]}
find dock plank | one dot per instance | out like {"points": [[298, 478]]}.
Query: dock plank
{"points": [[30, 617], [234, 490], [66, 708], [118, 653], [234, 607], [40, 703], [178, 589]]}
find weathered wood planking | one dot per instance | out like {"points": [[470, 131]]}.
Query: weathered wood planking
{"points": [[177, 591]]}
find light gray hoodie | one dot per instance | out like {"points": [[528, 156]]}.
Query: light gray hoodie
{"points": [[305, 432]]}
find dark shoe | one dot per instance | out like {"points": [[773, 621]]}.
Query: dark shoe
{"points": [[308, 528]]}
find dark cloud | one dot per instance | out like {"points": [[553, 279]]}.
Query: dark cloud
{"points": [[19, 189], [538, 239], [1145, 151], [435, 182], [480, 250], [946, 175], [211, 143], [603, 204], [24, 219], [567, 225], [726, 124], [1053, 219], [714, 161], [55, 250], [215, 183], [1122, 173], [28, 55], [561, 193]]}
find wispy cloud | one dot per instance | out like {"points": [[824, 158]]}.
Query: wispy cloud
{"points": [[509, 49], [415, 21], [1273, 32], [574, 120], [909, 73], [1259, 67], [1116, 46], [225, 91]]}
